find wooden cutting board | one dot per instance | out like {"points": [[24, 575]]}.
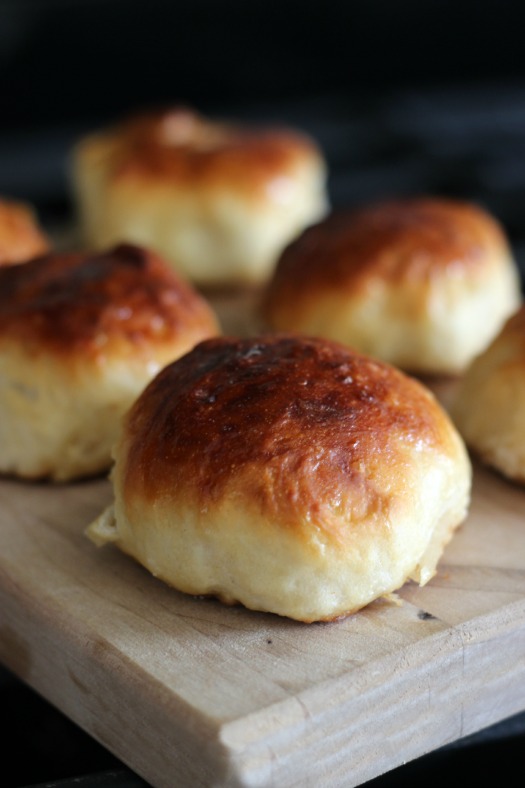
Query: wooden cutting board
{"points": [[188, 692]]}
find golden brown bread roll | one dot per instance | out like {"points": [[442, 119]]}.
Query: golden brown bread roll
{"points": [[422, 283], [80, 336], [288, 474], [489, 406], [216, 200], [21, 237]]}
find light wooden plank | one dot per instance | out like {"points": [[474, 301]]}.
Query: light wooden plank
{"points": [[185, 687]]}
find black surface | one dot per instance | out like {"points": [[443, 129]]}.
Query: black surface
{"points": [[81, 59]]}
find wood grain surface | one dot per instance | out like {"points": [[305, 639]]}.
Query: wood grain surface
{"points": [[189, 692]]}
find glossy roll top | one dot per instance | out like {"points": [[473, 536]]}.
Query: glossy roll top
{"points": [[180, 146], [286, 473], [92, 304], [219, 200], [81, 334], [423, 283]]}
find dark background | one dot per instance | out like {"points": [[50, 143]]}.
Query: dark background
{"points": [[404, 96], [80, 60]]}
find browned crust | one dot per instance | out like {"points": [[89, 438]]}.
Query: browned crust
{"points": [[21, 238], [506, 354], [514, 328], [177, 146], [289, 424], [83, 303], [396, 241]]}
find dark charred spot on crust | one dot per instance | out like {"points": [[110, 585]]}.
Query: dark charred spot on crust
{"points": [[298, 418], [127, 254], [71, 301]]}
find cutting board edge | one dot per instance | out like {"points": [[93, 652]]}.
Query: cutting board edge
{"points": [[460, 711], [269, 745]]}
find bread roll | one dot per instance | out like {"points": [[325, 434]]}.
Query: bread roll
{"points": [[288, 474], [21, 236], [489, 406], [80, 336], [216, 200], [422, 283]]}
